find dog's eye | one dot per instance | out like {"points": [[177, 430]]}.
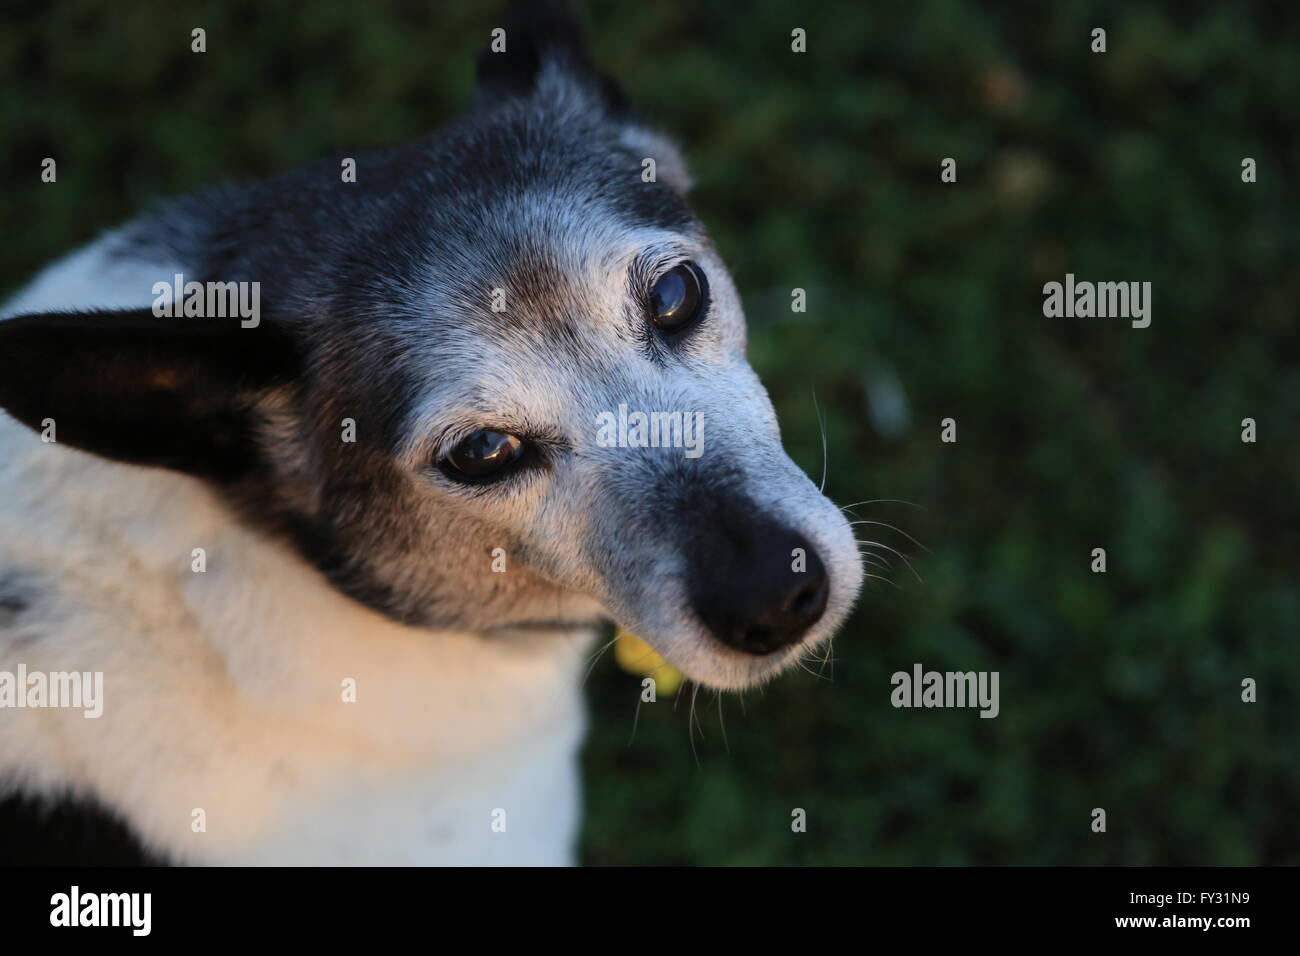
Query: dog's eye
{"points": [[483, 455], [676, 298]]}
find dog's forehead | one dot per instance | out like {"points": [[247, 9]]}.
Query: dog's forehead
{"points": [[560, 265], [543, 221], [546, 191], [524, 212], [578, 155]]}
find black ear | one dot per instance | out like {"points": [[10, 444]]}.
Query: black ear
{"points": [[538, 32], [178, 393]]}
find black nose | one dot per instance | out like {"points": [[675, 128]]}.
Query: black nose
{"points": [[756, 585]]}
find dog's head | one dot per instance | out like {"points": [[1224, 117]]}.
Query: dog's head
{"points": [[497, 381]]}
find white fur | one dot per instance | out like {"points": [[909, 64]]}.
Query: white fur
{"points": [[223, 689]]}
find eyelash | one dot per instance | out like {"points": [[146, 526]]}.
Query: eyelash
{"points": [[536, 456], [644, 280]]}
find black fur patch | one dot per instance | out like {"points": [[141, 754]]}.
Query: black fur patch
{"points": [[537, 30], [129, 385], [67, 831], [17, 592]]}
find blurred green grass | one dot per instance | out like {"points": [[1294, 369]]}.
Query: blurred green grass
{"points": [[820, 171]]}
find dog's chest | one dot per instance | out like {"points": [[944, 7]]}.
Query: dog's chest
{"points": [[475, 772], [444, 749]]}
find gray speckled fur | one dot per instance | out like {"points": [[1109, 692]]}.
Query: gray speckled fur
{"points": [[386, 284]]}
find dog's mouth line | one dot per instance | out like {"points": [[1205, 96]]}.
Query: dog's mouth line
{"points": [[544, 625]]}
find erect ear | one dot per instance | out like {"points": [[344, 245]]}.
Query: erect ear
{"points": [[178, 393], [537, 34], [670, 165]]}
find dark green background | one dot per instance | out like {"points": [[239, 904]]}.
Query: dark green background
{"points": [[821, 171]]}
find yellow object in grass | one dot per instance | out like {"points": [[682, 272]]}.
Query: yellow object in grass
{"points": [[637, 657]]}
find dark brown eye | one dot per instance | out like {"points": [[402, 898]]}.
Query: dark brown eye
{"points": [[676, 297], [483, 455]]}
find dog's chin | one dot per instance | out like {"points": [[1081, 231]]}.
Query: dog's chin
{"points": [[725, 669], [705, 660]]}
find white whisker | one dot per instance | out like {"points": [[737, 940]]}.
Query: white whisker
{"points": [[886, 580], [877, 501], [636, 719], [897, 552], [690, 724], [873, 556], [595, 659], [892, 528], [822, 425]]}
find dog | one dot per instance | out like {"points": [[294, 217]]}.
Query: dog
{"points": [[341, 564]]}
